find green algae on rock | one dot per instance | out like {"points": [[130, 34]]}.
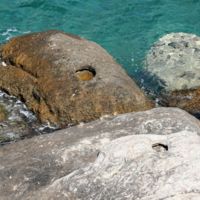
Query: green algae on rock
{"points": [[65, 79]]}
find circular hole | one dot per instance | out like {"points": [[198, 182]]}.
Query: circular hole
{"points": [[86, 73], [160, 147]]}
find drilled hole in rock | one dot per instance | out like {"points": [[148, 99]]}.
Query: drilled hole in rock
{"points": [[86, 73], [159, 147]]}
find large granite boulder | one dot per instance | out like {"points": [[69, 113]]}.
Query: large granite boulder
{"points": [[173, 64], [143, 167], [65, 79], [130, 155]]}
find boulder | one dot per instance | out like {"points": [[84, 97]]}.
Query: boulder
{"points": [[143, 167], [66, 79], [158, 141], [173, 65]]}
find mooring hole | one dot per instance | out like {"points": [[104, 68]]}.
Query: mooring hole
{"points": [[159, 147], [86, 73]]}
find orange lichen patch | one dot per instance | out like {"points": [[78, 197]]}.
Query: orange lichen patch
{"points": [[9, 48], [84, 75], [49, 72], [45, 114], [188, 100], [21, 59]]}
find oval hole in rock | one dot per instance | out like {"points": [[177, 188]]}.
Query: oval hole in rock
{"points": [[159, 147], [86, 73]]}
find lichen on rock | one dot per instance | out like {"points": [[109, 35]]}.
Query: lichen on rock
{"points": [[66, 79]]}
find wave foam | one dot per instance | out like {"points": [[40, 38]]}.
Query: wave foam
{"points": [[11, 32]]}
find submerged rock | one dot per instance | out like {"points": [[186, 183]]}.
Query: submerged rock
{"points": [[143, 155], [65, 79], [173, 64]]}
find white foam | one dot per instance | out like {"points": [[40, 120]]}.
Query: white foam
{"points": [[3, 64], [11, 32]]}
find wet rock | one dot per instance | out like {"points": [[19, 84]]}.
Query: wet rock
{"points": [[17, 122], [176, 71], [15, 130], [13, 124], [65, 79], [128, 154]]}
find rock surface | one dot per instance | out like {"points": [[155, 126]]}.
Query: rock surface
{"points": [[132, 168], [174, 66], [17, 122], [3, 113], [65, 79], [144, 155]]}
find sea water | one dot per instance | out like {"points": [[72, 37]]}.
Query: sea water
{"points": [[125, 28]]}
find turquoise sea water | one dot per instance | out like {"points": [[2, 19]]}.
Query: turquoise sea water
{"points": [[126, 28]]}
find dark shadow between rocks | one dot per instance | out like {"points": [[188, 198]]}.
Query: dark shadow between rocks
{"points": [[153, 86]]}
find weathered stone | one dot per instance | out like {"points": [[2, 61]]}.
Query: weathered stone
{"points": [[129, 168], [14, 131], [3, 113], [173, 64], [66, 79], [30, 167], [16, 121]]}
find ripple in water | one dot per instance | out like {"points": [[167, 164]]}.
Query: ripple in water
{"points": [[9, 33]]}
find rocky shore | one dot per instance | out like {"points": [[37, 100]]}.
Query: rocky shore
{"points": [[144, 155], [17, 122], [65, 79], [116, 144], [173, 65]]}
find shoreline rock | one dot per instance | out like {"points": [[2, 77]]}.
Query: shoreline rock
{"points": [[65, 79], [149, 155], [173, 65], [129, 168], [44, 166], [17, 121]]}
